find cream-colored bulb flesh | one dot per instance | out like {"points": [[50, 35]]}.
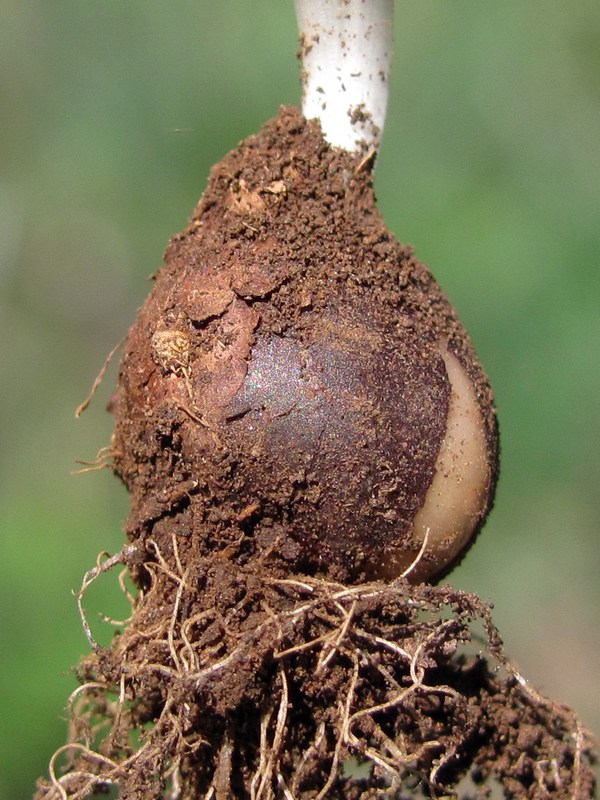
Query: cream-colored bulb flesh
{"points": [[457, 495]]}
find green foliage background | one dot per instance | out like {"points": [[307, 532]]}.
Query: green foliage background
{"points": [[113, 111]]}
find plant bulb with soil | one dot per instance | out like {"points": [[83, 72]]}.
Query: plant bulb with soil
{"points": [[309, 442], [304, 370]]}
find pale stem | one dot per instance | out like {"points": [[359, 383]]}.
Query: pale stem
{"points": [[346, 48]]}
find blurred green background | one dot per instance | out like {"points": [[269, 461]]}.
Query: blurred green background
{"points": [[112, 113]]}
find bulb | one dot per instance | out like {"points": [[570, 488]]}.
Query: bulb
{"points": [[305, 371]]}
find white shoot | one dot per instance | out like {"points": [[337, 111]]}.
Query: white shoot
{"points": [[346, 48]]}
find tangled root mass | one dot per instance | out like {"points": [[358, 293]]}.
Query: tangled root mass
{"points": [[233, 685]]}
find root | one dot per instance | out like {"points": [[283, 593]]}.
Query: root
{"points": [[270, 751], [92, 575], [105, 458], [228, 683], [99, 378], [419, 555]]}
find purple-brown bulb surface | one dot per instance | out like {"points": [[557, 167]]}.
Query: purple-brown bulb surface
{"points": [[297, 381]]}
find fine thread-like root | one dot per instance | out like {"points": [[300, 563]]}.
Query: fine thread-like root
{"points": [[91, 576], [99, 378], [418, 558], [105, 459], [268, 692], [261, 784]]}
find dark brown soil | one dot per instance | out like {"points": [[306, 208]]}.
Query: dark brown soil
{"points": [[286, 358]]}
